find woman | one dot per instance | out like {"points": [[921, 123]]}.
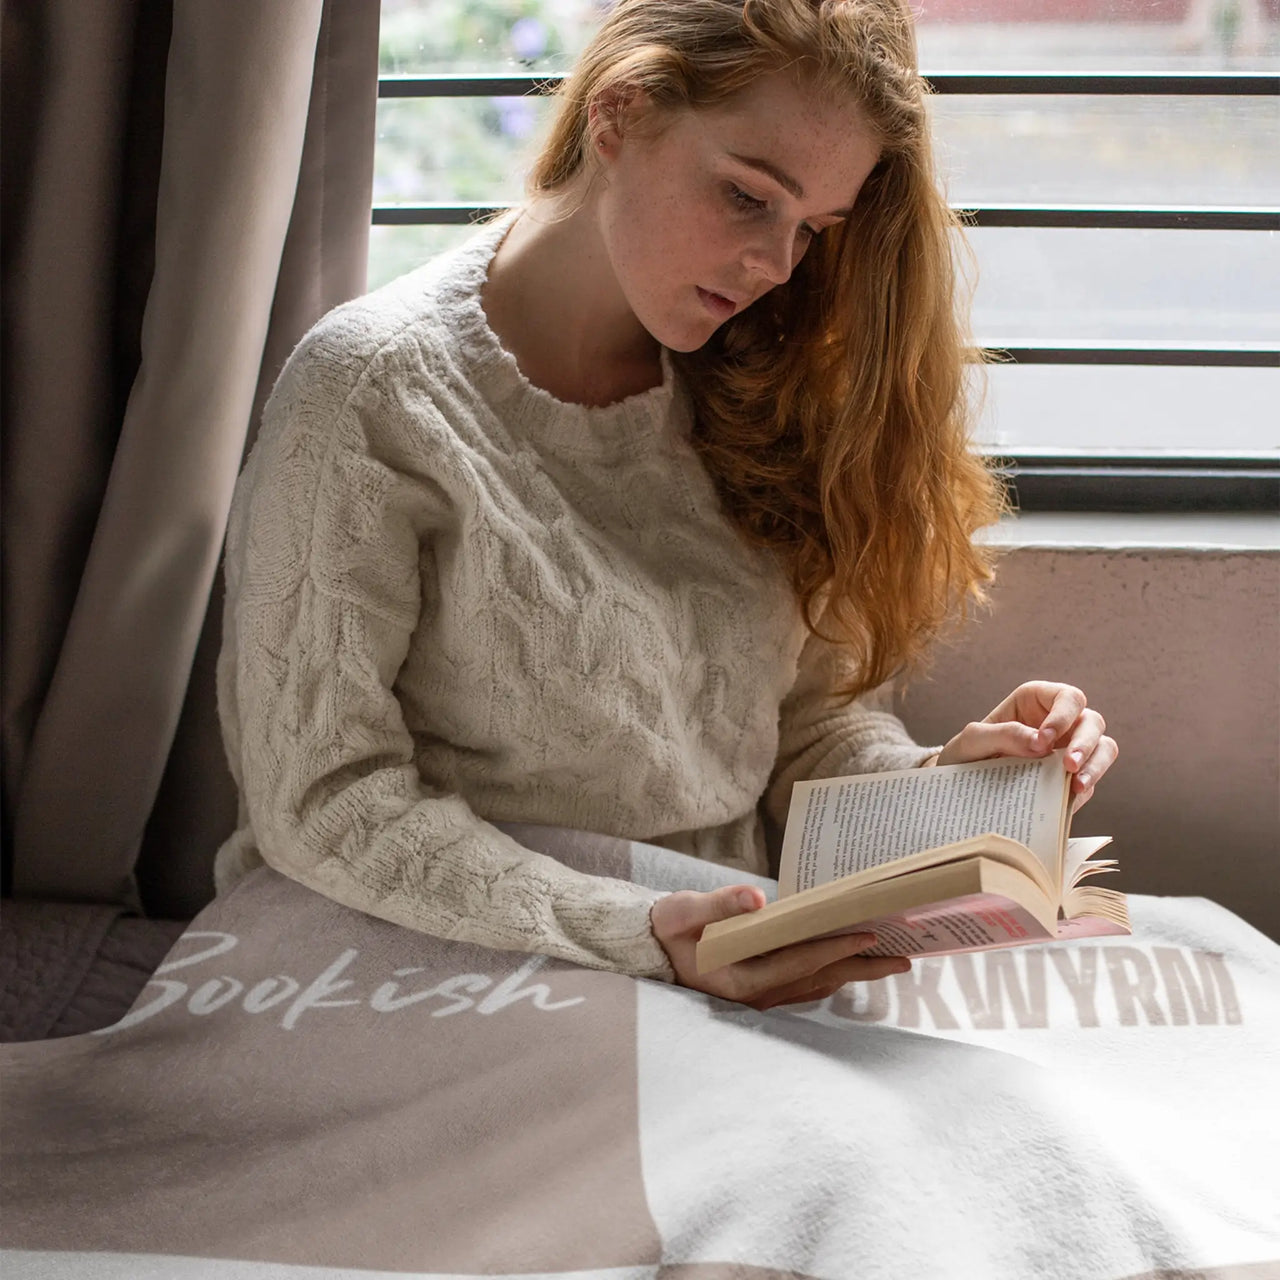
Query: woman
{"points": [[601, 520]]}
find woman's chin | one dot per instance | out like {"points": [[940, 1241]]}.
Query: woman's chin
{"points": [[686, 346], [684, 337]]}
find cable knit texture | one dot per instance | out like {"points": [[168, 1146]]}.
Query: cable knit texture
{"points": [[453, 600]]}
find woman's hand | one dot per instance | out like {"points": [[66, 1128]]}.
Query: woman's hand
{"points": [[1033, 720], [791, 975]]}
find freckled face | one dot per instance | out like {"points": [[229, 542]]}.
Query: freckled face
{"points": [[695, 228]]}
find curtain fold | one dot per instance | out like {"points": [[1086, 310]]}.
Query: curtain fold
{"points": [[62, 143], [113, 524]]}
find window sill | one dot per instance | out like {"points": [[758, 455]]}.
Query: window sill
{"points": [[1247, 531]]}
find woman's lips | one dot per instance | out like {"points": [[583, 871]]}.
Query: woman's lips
{"points": [[719, 306]]}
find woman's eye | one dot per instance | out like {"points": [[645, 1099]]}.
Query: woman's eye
{"points": [[748, 203], [743, 200]]}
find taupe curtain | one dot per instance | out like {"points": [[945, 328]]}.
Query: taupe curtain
{"points": [[186, 189]]}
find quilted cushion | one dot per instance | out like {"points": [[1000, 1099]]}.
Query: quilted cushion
{"points": [[68, 968]]}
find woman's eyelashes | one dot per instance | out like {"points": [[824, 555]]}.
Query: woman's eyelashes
{"points": [[752, 204], [745, 201]]}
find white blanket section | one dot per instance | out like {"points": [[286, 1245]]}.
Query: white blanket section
{"points": [[1096, 1105]]}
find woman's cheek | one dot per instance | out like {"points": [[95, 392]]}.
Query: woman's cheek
{"points": [[719, 243]]}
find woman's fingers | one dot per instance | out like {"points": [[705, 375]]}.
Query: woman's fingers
{"points": [[682, 916], [1037, 717], [803, 963], [1084, 743], [1064, 720], [793, 969], [1092, 768], [1029, 703], [828, 981], [1045, 705], [793, 973], [1064, 702], [1095, 765], [984, 740]]}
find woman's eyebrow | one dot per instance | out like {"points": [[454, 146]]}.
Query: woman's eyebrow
{"points": [[783, 179]]}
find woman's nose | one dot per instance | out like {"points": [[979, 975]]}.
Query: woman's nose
{"points": [[773, 256]]}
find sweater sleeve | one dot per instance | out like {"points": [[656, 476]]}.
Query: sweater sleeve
{"points": [[337, 514], [821, 736]]}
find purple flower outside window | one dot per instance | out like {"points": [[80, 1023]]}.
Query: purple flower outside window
{"points": [[516, 117], [528, 39]]}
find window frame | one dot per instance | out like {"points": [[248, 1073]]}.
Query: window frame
{"points": [[1037, 481]]}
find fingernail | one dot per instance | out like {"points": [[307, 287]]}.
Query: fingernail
{"points": [[746, 900], [1085, 781]]}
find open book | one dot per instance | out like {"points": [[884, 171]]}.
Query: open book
{"points": [[961, 857]]}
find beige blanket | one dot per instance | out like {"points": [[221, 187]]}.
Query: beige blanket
{"points": [[303, 1092]]}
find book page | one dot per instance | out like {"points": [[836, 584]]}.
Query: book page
{"points": [[1079, 850], [839, 826]]}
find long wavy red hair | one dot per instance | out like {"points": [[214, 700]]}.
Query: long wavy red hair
{"points": [[834, 415]]}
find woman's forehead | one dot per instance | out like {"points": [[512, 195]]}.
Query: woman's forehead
{"points": [[822, 145]]}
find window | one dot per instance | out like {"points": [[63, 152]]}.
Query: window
{"points": [[1121, 161]]}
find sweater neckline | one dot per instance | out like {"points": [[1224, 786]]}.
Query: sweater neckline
{"points": [[633, 424]]}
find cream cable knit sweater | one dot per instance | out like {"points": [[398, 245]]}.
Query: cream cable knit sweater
{"points": [[453, 600]]}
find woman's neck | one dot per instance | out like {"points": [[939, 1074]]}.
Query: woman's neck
{"points": [[553, 301]]}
